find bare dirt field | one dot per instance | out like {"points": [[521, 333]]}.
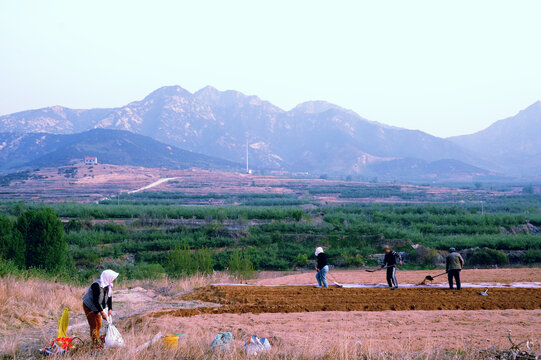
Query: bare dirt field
{"points": [[472, 276], [289, 299]]}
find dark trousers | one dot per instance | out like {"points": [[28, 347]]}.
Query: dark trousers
{"points": [[454, 274], [391, 276]]}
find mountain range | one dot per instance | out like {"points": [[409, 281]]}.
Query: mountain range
{"points": [[314, 137], [117, 147], [513, 145]]}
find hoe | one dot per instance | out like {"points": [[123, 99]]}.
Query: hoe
{"points": [[378, 269], [430, 278], [335, 282]]}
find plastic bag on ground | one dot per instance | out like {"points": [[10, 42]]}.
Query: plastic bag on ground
{"points": [[53, 350], [112, 337], [62, 343], [59, 346], [155, 339], [63, 324], [256, 345], [222, 341]]}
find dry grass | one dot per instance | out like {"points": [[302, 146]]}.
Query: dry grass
{"points": [[33, 305], [198, 347], [33, 302]]}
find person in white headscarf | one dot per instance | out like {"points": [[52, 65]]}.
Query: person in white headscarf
{"points": [[97, 299], [322, 267]]}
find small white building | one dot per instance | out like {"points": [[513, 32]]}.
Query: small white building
{"points": [[91, 160]]}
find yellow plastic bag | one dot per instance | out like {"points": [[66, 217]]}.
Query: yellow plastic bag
{"points": [[171, 341], [63, 323]]}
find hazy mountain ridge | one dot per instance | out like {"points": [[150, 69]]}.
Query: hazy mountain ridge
{"points": [[514, 143], [315, 136], [407, 169], [117, 147], [54, 119]]}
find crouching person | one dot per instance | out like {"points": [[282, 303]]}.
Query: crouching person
{"points": [[453, 264], [322, 268], [97, 299]]}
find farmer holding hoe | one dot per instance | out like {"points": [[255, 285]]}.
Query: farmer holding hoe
{"points": [[453, 264], [322, 267], [98, 298], [391, 259]]}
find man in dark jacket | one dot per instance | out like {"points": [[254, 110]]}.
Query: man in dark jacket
{"points": [[453, 264], [391, 259]]}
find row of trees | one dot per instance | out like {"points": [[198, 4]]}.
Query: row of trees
{"points": [[34, 240], [182, 261]]}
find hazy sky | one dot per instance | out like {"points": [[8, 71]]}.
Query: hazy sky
{"points": [[445, 67]]}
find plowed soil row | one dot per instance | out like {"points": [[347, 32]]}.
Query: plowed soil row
{"points": [[256, 300]]}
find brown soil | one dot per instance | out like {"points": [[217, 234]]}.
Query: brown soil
{"points": [[290, 299], [474, 276]]}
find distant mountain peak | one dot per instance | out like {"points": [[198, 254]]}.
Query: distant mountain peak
{"points": [[207, 91], [315, 106], [210, 94], [166, 91], [533, 109]]}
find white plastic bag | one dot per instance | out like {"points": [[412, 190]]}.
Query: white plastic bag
{"points": [[256, 345], [113, 337], [154, 340]]}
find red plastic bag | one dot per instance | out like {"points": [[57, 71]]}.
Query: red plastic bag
{"points": [[59, 346], [64, 343]]}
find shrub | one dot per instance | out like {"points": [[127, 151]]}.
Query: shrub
{"points": [[425, 256], [112, 227], [184, 262], [488, 256], [73, 225], [301, 260], [240, 265], [16, 250], [532, 256], [8, 268], [43, 234], [5, 235], [205, 263], [147, 271], [181, 262]]}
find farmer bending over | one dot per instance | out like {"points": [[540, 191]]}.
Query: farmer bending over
{"points": [[322, 268], [97, 298], [453, 265], [391, 259]]}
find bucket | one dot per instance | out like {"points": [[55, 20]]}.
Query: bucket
{"points": [[171, 340]]}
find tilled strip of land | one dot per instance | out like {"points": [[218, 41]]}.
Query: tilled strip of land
{"points": [[261, 299]]}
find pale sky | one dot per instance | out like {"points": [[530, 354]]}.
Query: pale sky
{"points": [[444, 67]]}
